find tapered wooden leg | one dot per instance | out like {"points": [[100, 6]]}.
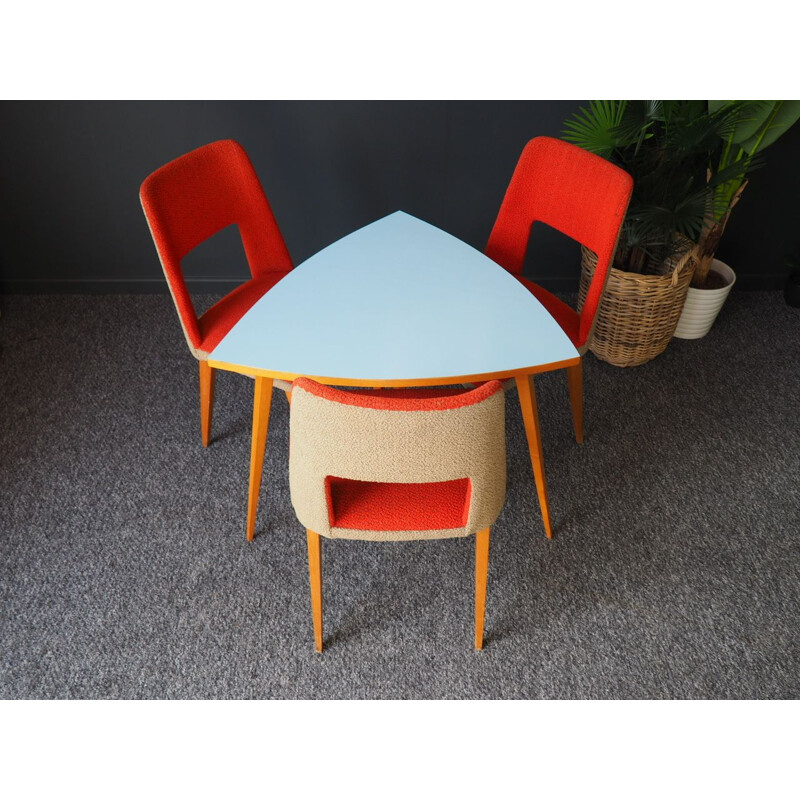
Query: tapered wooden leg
{"points": [[575, 383], [208, 379], [530, 416], [315, 578], [261, 405], [481, 571]]}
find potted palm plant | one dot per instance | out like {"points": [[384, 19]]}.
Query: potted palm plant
{"points": [[756, 125], [666, 146]]}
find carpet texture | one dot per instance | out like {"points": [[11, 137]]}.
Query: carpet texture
{"points": [[125, 572]]}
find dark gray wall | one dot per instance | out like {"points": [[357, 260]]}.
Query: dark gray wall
{"points": [[70, 218]]}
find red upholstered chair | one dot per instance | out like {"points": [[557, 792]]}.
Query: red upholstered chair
{"points": [[396, 465], [581, 195], [186, 202]]}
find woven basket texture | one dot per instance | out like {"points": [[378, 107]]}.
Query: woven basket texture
{"points": [[637, 314]]}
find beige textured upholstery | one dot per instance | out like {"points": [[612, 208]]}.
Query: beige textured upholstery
{"points": [[419, 444]]}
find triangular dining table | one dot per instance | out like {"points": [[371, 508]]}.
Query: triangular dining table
{"points": [[397, 303]]}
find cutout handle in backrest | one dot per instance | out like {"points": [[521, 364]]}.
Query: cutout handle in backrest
{"points": [[574, 191], [194, 197], [393, 506], [413, 442]]}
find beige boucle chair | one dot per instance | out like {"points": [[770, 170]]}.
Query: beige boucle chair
{"points": [[397, 465]]}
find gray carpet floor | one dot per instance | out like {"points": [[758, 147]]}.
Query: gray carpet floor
{"points": [[125, 572]]}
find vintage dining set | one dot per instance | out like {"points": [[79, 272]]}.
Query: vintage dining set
{"points": [[394, 345]]}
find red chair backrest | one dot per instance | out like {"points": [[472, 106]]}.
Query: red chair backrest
{"points": [[575, 192], [195, 196]]}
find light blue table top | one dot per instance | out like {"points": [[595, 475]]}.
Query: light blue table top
{"points": [[397, 300]]}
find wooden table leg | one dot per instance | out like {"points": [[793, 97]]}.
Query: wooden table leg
{"points": [[261, 406], [530, 416], [575, 383], [208, 378]]}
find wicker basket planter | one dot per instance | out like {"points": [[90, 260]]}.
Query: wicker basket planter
{"points": [[637, 314]]}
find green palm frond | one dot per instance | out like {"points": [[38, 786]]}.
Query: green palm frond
{"points": [[657, 244], [737, 170], [654, 109], [777, 120], [753, 115], [704, 133], [684, 215], [745, 118], [688, 159], [726, 182], [637, 122], [594, 129]]}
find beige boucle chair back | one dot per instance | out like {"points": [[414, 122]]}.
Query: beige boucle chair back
{"points": [[408, 437]]}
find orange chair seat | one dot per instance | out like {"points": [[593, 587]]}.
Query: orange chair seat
{"points": [[370, 506], [222, 316], [566, 317]]}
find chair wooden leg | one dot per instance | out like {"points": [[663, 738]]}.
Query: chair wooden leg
{"points": [[575, 383], [208, 379], [315, 579], [530, 416], [261, 405], [481, 572]]}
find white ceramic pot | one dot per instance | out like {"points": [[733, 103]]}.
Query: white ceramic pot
{"points": [[702, 305]]}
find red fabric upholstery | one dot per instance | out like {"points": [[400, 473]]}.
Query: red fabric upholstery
{"points": [[195, 196], [409, 394], [566, 317], [403, 399], [372, 506], [222, 316], [574, 191], [367, 506]]}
